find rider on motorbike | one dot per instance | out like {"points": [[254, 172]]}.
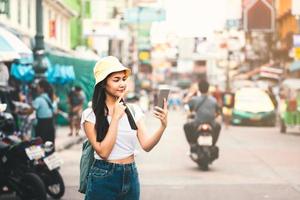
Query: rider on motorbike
{"points": [[206, 111]]}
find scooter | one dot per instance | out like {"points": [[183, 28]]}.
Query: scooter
{"points": [[44, 162], [38, 158], [15, 176], [203, 152], [48, 169]]}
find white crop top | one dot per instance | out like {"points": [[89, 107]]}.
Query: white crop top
{"points": [[126, 138]]}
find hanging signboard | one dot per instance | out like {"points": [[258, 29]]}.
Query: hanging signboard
{"points": [[259, 15], [296, 40], [144, 15], [295, 7], [297, 53]]}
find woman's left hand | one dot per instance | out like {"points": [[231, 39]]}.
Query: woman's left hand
{"points": [[162, 114]]}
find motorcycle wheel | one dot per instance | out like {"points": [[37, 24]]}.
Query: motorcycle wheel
{"points": [[55, 186], [203, 166], [32, 188]]}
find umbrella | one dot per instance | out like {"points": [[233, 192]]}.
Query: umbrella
{"points": [[11, 47]]}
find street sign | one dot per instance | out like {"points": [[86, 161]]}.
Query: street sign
{"points": [[143, 36], [233, 23], [295, 7], [144, 15], [296, 40], [259, 15], [144, 56], [297, 53]]}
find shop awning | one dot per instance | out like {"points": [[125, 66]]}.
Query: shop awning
{"points": [[295, 66], [11, 47]]}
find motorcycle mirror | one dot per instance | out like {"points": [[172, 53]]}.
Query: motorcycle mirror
{"points": [[48, 146], [3, 107]]}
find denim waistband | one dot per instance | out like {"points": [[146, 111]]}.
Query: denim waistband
{"points": [[116, 166]]}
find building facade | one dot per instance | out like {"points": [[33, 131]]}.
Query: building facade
{"points": [[21, 20], [286, 23], [287, 28]]}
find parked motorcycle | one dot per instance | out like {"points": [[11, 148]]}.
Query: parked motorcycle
{"points": [[203, 152], [48, 169], [37, 158], [44, 162], [15, 176]]}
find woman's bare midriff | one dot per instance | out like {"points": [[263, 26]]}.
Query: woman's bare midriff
{"points": [[127, 160]]}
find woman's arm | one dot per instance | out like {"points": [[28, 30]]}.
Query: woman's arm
{"points": [[147, 142], [104, 148]]}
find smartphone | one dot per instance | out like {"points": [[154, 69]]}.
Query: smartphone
{"points": [[162, 94]]}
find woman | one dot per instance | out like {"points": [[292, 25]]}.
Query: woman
{"points": [[112, 132], [44, 106]]}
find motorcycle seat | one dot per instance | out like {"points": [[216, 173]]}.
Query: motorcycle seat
{"points": [[3, 147]]}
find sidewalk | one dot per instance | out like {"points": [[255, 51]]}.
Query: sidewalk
{"points": [[64, 141]]}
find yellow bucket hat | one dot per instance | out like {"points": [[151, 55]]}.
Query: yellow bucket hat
{"points": [[108, 65]]}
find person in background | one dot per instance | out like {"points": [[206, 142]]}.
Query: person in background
{"points": [[228, 104], [75, 99], [45, 111], [193, 91], [217, 93], [206, 110], [4, 73], [272, 96]]}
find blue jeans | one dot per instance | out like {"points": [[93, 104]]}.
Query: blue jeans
{"points": [[110, 181]]}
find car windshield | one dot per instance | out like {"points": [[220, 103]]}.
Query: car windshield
{"points": [[253, 100]]}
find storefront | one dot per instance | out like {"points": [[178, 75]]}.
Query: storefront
{"points": [[294, 69]]}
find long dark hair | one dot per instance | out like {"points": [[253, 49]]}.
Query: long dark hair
{"points": [[101, 110], [47, 88]]}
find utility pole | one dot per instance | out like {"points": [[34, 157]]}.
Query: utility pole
{"points": [[39, 49], [137, 83], [229, 53]]}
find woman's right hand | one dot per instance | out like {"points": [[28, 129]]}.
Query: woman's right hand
{"points": [[119, 109]]}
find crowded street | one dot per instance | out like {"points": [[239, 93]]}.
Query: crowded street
{"points": [[254, 163]]}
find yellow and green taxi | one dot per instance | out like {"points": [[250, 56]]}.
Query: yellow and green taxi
{"points": [[253, 106]]}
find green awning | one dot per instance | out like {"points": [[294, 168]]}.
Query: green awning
{"points": [[83, 70]]}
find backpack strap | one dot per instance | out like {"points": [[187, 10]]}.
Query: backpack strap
{"points": [[49, 103], [200, 104], [131, 108], [129, 112]]}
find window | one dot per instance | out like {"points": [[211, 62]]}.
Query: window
{"points": [[19, 11]]}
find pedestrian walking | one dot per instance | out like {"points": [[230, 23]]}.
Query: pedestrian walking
{"points": [[75, 99], [228, 104], [114, 128], [217, 93]]}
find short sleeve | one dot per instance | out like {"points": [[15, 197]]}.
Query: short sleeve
{"points": [[36, 103], [87, 115], [137, 113], [191, 103]]}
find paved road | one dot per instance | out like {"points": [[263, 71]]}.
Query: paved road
{"points": [[255, 163]]}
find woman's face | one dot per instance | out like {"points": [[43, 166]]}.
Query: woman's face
{"points": [[116, 84]]}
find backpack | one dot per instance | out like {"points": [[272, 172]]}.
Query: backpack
{"points": [[87, 160]]}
